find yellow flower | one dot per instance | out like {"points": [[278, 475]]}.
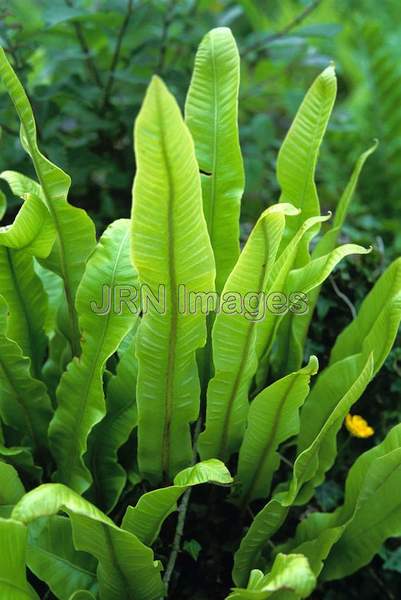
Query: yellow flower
{"points": [[358, 427]]}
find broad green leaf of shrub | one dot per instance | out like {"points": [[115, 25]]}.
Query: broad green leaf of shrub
{"points": [[171, 247], [290, 578], [234, 336], [273, 418], [126, 567], [211, 114], [146, 518], [75, 234], [80, 394], [307, 468]]}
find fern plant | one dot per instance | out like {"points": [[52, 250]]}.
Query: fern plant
{"points": [[121, 389]]}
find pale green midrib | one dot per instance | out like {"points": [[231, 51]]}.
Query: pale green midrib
{"points": [[94, 368], [212, 205], [25, 313], [269, 444], [172, 344], [19, 399], [75, 340], [228, 413]]}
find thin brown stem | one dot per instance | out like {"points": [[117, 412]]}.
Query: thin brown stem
{"points": [[260, 45], [91, 66], [116, 54]]}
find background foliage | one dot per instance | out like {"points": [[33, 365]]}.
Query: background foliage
{"points": [[86, 65]]}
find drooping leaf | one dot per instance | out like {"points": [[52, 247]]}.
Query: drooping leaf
{"points": [[171, 248], [75, 235], [11, 488], [211, 114], [126, 567], [80, 393], [291, 578], [146, 518], [273, 418], [51, 556], [234, 335]]}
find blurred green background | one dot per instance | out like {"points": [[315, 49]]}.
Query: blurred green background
{"points": [[86, 64]]}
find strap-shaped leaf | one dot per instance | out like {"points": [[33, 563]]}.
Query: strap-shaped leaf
{"points": [[75, 232], [22, 459], [80, 393], [126, 567], [109, 477], [3, 205], [297, 330], [291, 575], [26, 299], [273, 418], [51, 556], [317, 534], [24, 403], [82, 595], [297, 159], [171, 248], [13, 582], [305, 280], [211, 113], [376, 325], [146, 518], [308, 468], [234, 336]]}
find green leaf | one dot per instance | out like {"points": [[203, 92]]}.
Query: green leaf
{"points": [[126, 567], [13, 583], [234, 336], [51, 556], [22, 290], [309, 466], [273, 418], [305, 281], [375, 327], [297, 159], [316, 535], [171, 248], [80, 393], [22, 459], [33, 228], [3, 205], [24, 403], [146, 518], [291, 578], [211, 114], [109, 477], [75, 234]]}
